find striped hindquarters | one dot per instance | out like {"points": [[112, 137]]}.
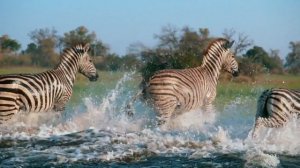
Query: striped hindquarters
{"points": [[276, 106], [26, 92], [176, 89]]}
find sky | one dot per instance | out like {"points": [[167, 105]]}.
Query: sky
{"points": [[271, 24]]}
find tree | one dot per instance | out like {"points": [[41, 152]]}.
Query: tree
{"points": [[277, 62], [113, 62], [242, 41], [99, 49], [130, 62], [9, 45], [175, 50], [293, 58], [32, 48], [248, 68], [46, 41], [80, 35], [168, 38], [259, 56], [136, 49]]}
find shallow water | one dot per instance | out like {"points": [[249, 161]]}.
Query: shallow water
{"points": [[99, 134]]}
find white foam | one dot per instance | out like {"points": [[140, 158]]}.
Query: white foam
{"points": [[284, 140], [194, 120], [260, 159]]}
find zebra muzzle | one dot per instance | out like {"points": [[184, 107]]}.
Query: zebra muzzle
{"points": [[235, 73], [94, 78]]}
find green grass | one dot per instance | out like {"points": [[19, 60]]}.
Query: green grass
{"points": [[229, 91]]}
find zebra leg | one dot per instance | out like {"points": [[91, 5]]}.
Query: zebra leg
{"points": [[257, 126], [58, 112], [269, 122], [129, 106], [8, 109], [165, 111], [209, 108], [209, 113]]}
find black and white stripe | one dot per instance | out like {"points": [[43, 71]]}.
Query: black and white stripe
{"points": [[175, 91], [48, 90], [275, 107]]}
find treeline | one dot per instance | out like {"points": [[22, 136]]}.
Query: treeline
{"points": [[46, 46], [176, 48]]}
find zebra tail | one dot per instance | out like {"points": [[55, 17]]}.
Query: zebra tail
{"points": [[261, 110]]}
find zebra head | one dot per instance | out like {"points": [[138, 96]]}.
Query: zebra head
{"points": [[230, 64], [86, 66]]}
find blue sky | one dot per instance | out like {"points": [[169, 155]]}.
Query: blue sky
{"points": [[272, 24]]}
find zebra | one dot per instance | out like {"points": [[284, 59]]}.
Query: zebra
{"points": [[46, 91], [275, 107], [173, 91]]}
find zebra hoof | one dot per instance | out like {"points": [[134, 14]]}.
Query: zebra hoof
{"points": [[129, 113], [129, 110]]}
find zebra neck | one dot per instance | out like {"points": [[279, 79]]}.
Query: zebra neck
{"points": [[212, 66], [68, 71]]}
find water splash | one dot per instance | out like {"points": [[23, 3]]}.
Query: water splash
{"points": [[260, 159], [108, 115], [284, 140], [102, 132]]}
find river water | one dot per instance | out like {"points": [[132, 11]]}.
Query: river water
{"points": [[99, 134]]}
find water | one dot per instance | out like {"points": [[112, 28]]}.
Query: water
{"points": [[99, 134]]}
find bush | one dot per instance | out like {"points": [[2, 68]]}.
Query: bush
{"points": [[15, 60]]}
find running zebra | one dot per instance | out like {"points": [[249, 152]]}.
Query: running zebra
{"points": [[175, 91], [48, 90], [275, 107]]}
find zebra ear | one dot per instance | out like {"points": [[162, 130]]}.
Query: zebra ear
{"points": [[229, 44], [86, 47]]}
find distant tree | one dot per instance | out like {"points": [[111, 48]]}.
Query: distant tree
{"points": [[271, 62], [204, 33], [277, 62], [130, 62], [242, 41], [46, 41], [248, 68], [168, 38], [32, 48], [257, 54], [113, 62], [293, 58], [81, 35], [191, 47], [136, 49], [8, 45], [99, 49], [175, 50]]}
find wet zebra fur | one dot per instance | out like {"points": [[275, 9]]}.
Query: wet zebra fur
{"points": [[275, 107], [49, 90], [172, 91]]}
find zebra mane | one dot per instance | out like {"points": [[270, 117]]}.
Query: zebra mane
{"points": [[74, 52], [221, 41], [79, 49]]}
